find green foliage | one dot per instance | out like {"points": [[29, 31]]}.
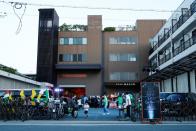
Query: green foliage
{"points": [[109, 29], [75, 27], [8, 69]]}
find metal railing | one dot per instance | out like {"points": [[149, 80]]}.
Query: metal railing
{"points": [[165, 58], [183, 46], [182, 19]]}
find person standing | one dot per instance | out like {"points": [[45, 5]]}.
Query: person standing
{"points": [[86, 108], [128, 104], [105, 105], [120, 104]]}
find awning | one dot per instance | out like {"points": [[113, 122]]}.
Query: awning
{"points": [[78, 66], [185, 64]]}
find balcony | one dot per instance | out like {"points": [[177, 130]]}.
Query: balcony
{"points": [[184, 46], [165, 58], [182, 19]]}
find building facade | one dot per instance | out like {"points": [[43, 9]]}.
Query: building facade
{"points": [[94, 61], [173, 52], [47, 45]]}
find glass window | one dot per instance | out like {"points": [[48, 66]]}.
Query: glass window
{"points": [[115, 76], [67, 57], [61, 41], [113, 40], [132, 76], [131, 57], [66, 41], [77, 41], [75, 58], [84, 41], [60, 57], [80, 57], [70, 41], [84, 57], [113, 57], [124, 57], [122, 40], [124, 76], [49, 23]]}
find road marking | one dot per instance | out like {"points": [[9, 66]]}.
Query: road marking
{"points": [[95, 124]]}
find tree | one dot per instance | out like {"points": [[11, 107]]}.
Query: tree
{"points": [[75, 27], [109, 29]]}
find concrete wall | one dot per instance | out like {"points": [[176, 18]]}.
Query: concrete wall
{"points": [[168, 85], [182, 82], [181, 85], [192, 79]]}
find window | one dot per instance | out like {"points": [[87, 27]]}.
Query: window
{"points": [[131, 57], [73, 41], [77, 41], [60, 57], [45, 24], [122, 57], [84, 41], [123, 76], [115, 76], [80, 57], [84, 57], [133, 76], [49, 23], [113, 57], [122, 40], [75, 58], [67, 57], [66, 41], [61, 41]]}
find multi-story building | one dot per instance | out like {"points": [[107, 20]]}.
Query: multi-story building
{"points": [[93, 61], [173, 52]]}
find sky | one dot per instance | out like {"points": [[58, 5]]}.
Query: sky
{"points": [[19, 51]]}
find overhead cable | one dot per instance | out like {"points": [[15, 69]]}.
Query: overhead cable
{"points": [[88, 7]]}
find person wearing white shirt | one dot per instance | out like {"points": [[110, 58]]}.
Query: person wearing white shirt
{"points": [[128, 104]]}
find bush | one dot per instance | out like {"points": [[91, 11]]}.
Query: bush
{"points": [[109, 29]]}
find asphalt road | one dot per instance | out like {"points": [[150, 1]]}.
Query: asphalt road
{"points": [[95, 126]]}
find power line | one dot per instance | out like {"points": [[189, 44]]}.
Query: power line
{"points": [[15, 7], [76, 18], [88, 7]]}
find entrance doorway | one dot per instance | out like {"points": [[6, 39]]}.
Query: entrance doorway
{"points": [[70, 92]]}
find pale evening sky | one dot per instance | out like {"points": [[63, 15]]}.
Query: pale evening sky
{"points": [[20, 51]]}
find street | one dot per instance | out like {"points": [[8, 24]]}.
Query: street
{"points": [[95, 126]]}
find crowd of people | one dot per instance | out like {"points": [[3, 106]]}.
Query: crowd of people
{"points": [[128, 104]]}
